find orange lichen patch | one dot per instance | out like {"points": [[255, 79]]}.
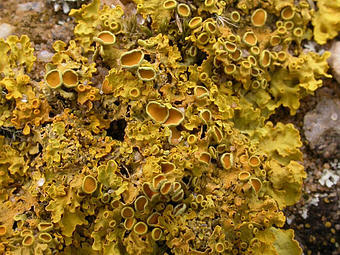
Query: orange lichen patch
{"points": [[175, 117], [106, 87], [209, 3], [201, 91], [45, 237], [116, 204], [289, 24], [129, 223], [157, 112], [281, 30], [232, 38], [112, 224], [165, 188], [158, 180], [191, 139], [178, 196], [235, 16], [140, 228], [219, 247], [230, 47], [226, 124], [252, 60], [153, 219], [255, 50], [89, 184], [53, 79], [146, 73], [230, 69], [194, 205], [195, 22], [281, 56], [176, 187], [183, 10], [275, 40], [192, 51], [245, 64], [221, 148], [28, 240], [45, 226], [217, 134], [203, 76], [26, 232], [203, 38], [149, 193], [199, 198], [156, 234], [35, 103], [81, 88], [107, 214], [256, 184], [243, 159], [205, 157], [70, 78], [210, 27], [36, 111], [3, 230], [179, 209], [205, 116], [287, 13], [131, 58], [236, 55], [255, 72], [227, 160], [298, 32], [115, 26], [249, 38], [134, 92], [170, 4], [127, 212], [254, 161], [175, 136], [105, 38], [244, 176], [167, 167], [265, 58], [259, 18]]}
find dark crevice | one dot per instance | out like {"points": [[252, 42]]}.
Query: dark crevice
{"points": [[117, 129], [200, 57], [125, 171], [147, 57], [186, 180], [15, 225], [90, 218], [204, 131]]}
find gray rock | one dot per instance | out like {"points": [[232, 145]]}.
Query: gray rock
{"points": [[6, 30], [322, 128], [44, 56], [30, 6], [334, 60]]}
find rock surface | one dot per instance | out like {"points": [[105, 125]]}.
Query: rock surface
{"points": [[30, 6], [6, 30], [334, 60], [322, 128]]}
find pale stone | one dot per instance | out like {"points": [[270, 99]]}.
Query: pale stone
{"points": [[30, 6], [334, 60], [6, 30], [44, 56]]}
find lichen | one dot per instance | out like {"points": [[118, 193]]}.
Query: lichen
{"points": [[326, 21], [149, 132]]}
